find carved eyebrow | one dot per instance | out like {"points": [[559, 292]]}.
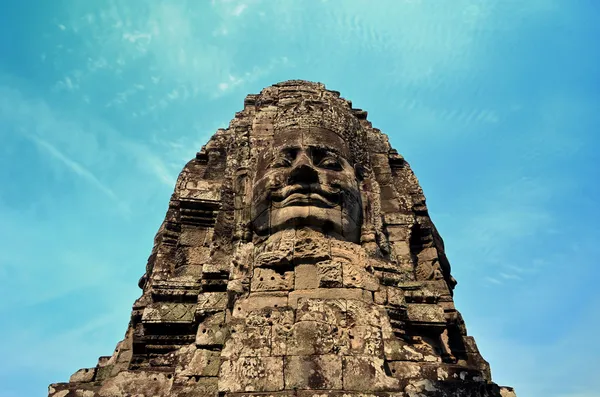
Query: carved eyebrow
{"points": [[324, 148], [327, 149], [286, 147]]}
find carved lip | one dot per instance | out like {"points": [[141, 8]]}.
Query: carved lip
{"points": [[311, 199], [306, 196]]}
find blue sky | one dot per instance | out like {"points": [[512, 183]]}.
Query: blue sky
{"points": [[495, 104]]}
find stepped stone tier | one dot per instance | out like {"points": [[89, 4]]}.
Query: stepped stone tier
{"points": [[297, 258]]}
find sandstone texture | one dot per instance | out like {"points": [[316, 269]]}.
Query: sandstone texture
{"points": [[297, 258]]}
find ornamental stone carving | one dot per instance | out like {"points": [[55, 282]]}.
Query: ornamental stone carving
{"points": [[297, 258]]}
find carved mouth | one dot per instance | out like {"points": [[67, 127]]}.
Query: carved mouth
{"points": [[311, 199], [303, 196]]}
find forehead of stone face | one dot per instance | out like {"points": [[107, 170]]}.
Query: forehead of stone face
{"points": [[310, 137]]}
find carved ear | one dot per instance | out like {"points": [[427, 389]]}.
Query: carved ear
{"points": [[359, 171]]}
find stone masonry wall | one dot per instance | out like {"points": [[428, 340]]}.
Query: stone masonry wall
{"points": [[226, 311]]}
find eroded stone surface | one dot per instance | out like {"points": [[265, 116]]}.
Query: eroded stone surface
{"points": [[296, 258]]}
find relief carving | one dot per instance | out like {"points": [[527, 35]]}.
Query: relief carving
{"points": [[297, 257]]}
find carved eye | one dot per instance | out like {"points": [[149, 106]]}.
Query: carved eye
{"points": [[330, 162], [281, 162], [285, 158]]}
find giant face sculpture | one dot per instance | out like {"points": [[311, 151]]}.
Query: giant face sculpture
{"points": [[306, 179]]}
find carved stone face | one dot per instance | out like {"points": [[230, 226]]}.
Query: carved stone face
{"points": [[306, 180]]}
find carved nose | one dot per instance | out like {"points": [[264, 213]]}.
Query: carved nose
{"points": [[303, 174]]}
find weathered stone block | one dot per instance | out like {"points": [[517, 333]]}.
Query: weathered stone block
{"points": [[201, 190], [313, 372], [214, 268], [344, 251], [103, 371], [332, 311], [428, 254], [400, 245], [142, 383], [383, 175], [194, 236], [275, 258], [312, 337], [210, 302], [355, 276], [329, 274], [380, 160], [83, 375], [259, 374], [507, 392], [197, 255], [359, 312], [423, 387], [306, 277], [345, 393], [258, 301], [201, 363], [365, 340], [268, 316], [248, 342], [395, 297], [193, 272], [393, 279], [265, 279], [285, 393], [470, 345], [169, 312], [311, 247], [280, 335], [399, 219], [425, 313], [277, 251], [212, 331], [194, 386], [395, 349], [366, 373], [405, 370], [330, 293], [380, 296], [263, 129]]}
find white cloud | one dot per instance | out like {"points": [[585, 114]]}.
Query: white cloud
{"points": [[67, 84], [493, 280], [221, 31], [123, 97], [73, 166], [237, 11], [137, 36], [151, 163], [84, 145], [509, 276]]}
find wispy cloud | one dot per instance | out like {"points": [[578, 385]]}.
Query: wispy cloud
{"points": [[509, 276], [493, 280], [90, 149], [237, 11], [151, 163], [73, 166], [463, 89], [66, 346], [68, 83], [232, 82]]}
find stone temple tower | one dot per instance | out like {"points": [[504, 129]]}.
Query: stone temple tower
{"points": [[297, 258]]}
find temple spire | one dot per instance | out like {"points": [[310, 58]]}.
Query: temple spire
{"points": [[297, 258]]}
